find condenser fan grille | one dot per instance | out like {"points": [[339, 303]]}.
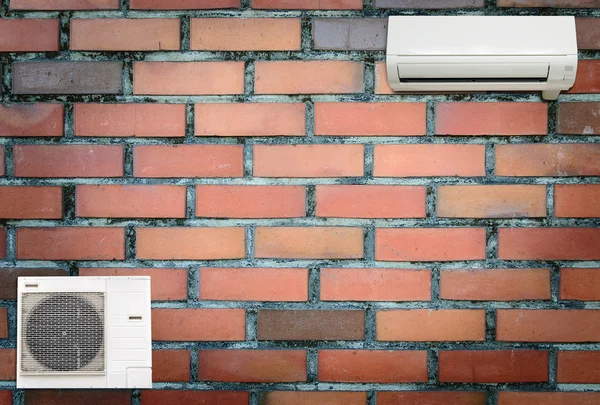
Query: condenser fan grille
{"points": [[62, 332]]}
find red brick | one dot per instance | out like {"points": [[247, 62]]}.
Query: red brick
{"points": [[77, 397], [548, 398], [183, 4], [188, 161], [493, 366], [577, 200], [430, 244], [64, 4], [309, 243], [548, 325], [495, 284], [3, 324], [198, 324], [216, 201], [253, 284], [260, 366], [188, 78], [68, 160], [308, 4], [578, 367], [587, 76], [370, 119], [130, 201], [548, 160], [167, 284], [580, 284], [308, 77], [31, 119], [2, 243], [190, 243], [588, 33], [381, 81], [170, 365], [431, 398], [549, 243], [251, 119], [308, 160], [494, 201], [8, 364], [23, 202], [245, 34], [313, 398], [429, 160], [311, 325], [371, 201], [162, 397], [9, 277], [491, 118], [6, 397], [81, 243], [130, 120], [120, 34], [375, 285], [1, 160], [377, 366], [578, 118], [427, 325]]}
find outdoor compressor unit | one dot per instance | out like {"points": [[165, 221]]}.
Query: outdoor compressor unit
{"points": [[84, 332]]}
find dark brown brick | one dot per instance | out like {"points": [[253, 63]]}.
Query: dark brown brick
{"points": [[579, 118], [311, 325], [350, 33], [3, 323], [8, 279], [83, 397], [428, 3], [63, 77], [588, 33]]}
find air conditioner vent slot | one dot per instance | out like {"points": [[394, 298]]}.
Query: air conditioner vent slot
{"points": [[63, 332], [475, 80]]}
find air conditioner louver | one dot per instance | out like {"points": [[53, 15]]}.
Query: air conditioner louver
{"points": [[63, 333]]}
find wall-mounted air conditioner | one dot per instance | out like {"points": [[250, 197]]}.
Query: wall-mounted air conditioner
{"points": [[481, 53], [84, 332]]}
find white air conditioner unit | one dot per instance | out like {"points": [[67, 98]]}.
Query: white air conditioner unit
{"points": [[481, 53], [84, 332]]}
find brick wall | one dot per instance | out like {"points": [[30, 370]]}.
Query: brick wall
{"points": [[312, 237]]}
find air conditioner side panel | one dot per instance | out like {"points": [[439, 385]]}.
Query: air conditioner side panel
{"points": [[129, 336]]}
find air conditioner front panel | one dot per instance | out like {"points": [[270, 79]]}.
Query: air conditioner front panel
{"points": [[450, 71], [481, 35], [63, 332]]}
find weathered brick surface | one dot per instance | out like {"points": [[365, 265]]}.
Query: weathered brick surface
{"points": [[31, 119], [588, 33], [117, 34], [64, 4], [62, 77], [311, 325], [129, 120], [367, 34], [579, 118], [29, 35], [435, 4], [248, 34], [188, 78], [311, 236]]}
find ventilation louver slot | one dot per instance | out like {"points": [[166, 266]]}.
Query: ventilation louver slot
{"points": [[62, 333]]}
